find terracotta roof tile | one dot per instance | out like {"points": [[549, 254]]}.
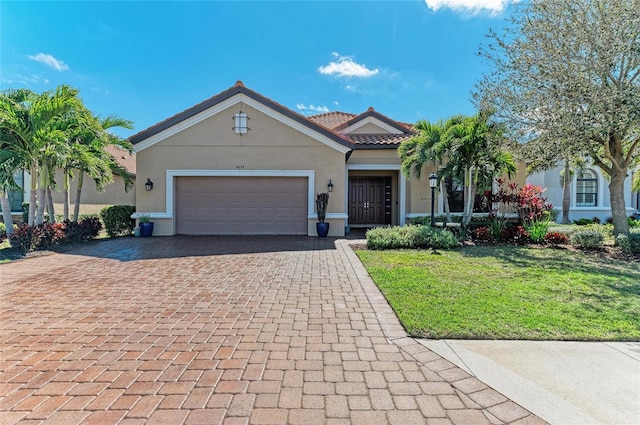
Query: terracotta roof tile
{"points": [[379, 139], [331, 120], [238, 88], [123, 157]]}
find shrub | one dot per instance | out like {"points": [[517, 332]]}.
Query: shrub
{"points": [[51, 235], [583, 221], [587, 239], [633, 222], [410, 237], [515, 234], [556, 238], [32, 238], [425, 220], [86, 229], [422, 220], [629, 244], [117, 220], [25, 237], [481, 234], [442, 239], [605, 229]]}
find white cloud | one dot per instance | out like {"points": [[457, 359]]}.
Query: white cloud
{"points": [[474, 6], [345, 66], [312, 108], [50, 61], [26, 80]]}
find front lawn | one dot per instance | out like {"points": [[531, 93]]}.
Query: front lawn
{"points": [[510, 292]]}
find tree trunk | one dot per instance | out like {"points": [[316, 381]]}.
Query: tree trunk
{"points": [[76, 207], [41, 206], [33, 197], [6, 212], [470, 193], [50, 208], [33, 204], [618, 207], [566, 193], [42, 189], [445, 197], [65, 192]]}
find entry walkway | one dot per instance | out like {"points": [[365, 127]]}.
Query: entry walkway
{"points": [[563, 382], [220, 330]]}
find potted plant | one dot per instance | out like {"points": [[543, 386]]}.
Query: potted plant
{"points": [[146, 225], [322, 200]]}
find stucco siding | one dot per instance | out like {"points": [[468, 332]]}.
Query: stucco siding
{"points": [[213, 145], [376, 156]]}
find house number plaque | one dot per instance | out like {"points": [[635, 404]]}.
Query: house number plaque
{"points": [[239, 167]]}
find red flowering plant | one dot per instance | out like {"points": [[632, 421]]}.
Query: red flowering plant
{"points": [[500, 202], [534, 212]]}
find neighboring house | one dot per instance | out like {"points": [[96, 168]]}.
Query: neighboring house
{"points": [[92, 200], [590, 195], [240, 163]]}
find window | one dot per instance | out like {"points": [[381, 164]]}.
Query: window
{"points": [[586, 189], [17, 197]]}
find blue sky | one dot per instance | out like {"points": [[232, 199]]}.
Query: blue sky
{"points": [[146, 61]]}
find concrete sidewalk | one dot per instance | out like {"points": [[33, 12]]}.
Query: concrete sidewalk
{"points": [[561, 382]]}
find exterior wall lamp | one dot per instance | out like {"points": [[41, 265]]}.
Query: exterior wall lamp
{"points": [[241, 121], [433, 182], [148, 185], [330, 186]]}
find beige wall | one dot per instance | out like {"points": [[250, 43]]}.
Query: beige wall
{"points": [[92, 201], [213, 145], [374, 156]]}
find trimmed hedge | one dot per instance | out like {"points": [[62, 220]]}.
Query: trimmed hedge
{"points": [[411, 237], [117, 220]]}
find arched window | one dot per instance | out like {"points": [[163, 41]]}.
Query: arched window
{"points": [[587, 189]]}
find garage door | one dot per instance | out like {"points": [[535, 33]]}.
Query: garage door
{"points": [[241, 205]]}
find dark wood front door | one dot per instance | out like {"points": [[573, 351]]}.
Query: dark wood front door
{"points": [[369, 200]]}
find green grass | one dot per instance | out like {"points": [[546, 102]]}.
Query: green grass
{"points": [[508, 292]]}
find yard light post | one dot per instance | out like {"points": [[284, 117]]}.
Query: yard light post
{"points": [[433, 182]]}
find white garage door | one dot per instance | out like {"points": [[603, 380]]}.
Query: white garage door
{"points": [[241, 205]]}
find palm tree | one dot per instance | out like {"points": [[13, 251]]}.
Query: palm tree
{"points": [[426, 146], [474, 154], [9, 165], [470, 149], [92, 159], [35, 129]]}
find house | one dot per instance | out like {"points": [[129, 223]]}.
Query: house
{"points": [[92, 200], [240, 163], [590, 196]]}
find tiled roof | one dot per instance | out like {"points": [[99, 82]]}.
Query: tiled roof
{"points": [[379, 139], [331, 120], [123, 157], [330, 124], [238, 88]]}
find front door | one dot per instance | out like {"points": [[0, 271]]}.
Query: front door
{"points": [[369, 200]]}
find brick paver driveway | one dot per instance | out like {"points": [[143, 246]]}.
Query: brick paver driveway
{"points": [[233, 330]]}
